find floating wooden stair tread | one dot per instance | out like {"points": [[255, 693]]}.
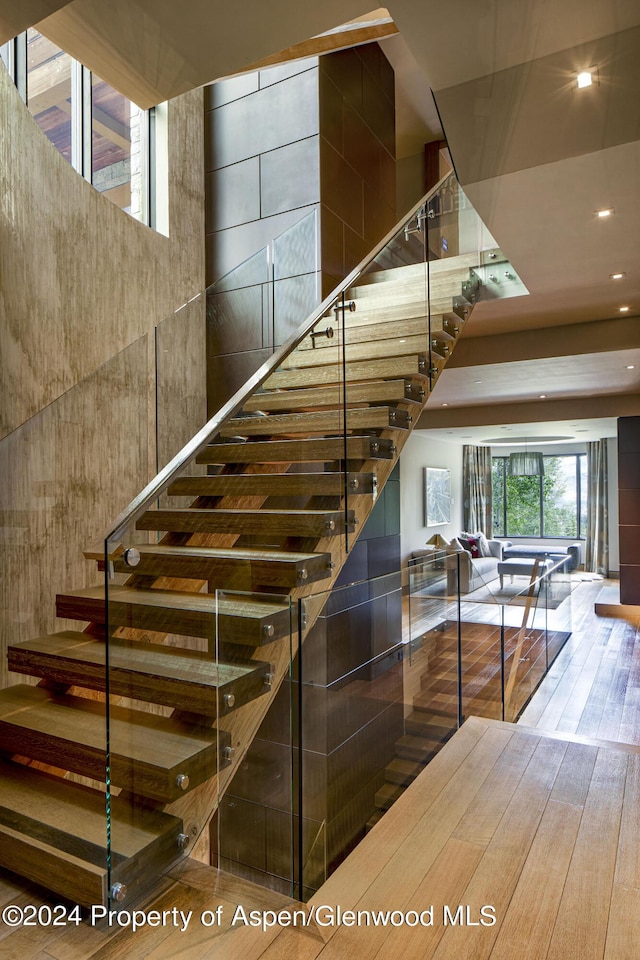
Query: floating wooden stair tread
{"points": [[413, 271], [391, 329], [322, 422], [238, 567], [143, 671], [157, 757], [53, 832], [275, 484], [282, 523], [411, 366], [294, 451], [387, 795], [172, 611], [370, 392], [414, 748], [366, 350], [402, 771], [436, 728]]}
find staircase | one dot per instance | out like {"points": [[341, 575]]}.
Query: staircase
{"points": [[207, 595]]}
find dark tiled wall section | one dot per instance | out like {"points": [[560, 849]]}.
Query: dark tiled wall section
{"points": [[629, 506], [262, 183], [357, 157]]}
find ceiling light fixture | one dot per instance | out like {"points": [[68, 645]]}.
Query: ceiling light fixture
{"points": [[584, 79], [444, 404], [624, 309], [605, 212], [631, 366], [616, 276], [542, 396]]}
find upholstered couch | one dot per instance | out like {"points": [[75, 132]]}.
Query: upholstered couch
{"points": [[473, 572]]}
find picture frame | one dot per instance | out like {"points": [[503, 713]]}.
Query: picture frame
{"points": [[437, 496]]}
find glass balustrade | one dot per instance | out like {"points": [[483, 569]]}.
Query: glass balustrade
{"points": [[242, 638]]}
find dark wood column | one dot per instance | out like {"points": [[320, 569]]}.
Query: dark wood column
{"points": [[629, 506]]}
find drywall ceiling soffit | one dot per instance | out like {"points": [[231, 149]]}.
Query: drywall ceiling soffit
{"points": [[153, 50], [576, 430], [464, 39], [16, 17], [558, 378], [596, 337], [579, 408]]}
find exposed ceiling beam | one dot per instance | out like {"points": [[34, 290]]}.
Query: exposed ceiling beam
{"points": [[351, 35]]}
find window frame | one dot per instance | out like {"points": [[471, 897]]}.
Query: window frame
{"points": [[580, 535], [14, 56]]}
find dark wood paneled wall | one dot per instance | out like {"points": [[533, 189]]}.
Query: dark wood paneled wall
{"points": [[357, 157], [629, 506]]}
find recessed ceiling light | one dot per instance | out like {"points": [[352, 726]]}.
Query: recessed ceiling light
{"points": [[584, 79], [478, 381], [542, 396], [605, 212], [402, 341], [616, 276], [631, 366], [444, 404], [624, 309]]}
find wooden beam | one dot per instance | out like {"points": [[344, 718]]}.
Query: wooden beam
{"points": [[16, 17], [351, 35]]}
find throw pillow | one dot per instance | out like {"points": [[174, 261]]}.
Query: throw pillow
{"points": [[471, 544], [483, 544]]}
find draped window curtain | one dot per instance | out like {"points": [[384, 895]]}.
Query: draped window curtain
{"points": [[597, 537], [476, 489]]}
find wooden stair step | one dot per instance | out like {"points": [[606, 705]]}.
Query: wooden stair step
{"points": [[440, 290], [447, 265], [417, 326], [151, 672], [318, 421], [431, 727], [387, 795], [381, 391], [439, 704], [447, 324], [402, 771], [281, 523], [375, 817], [239, 568], [414, 748], [157, 757], [173, 611], [299, 451], [409, 366], [394, 310], [369, 349], [53, 832], [275, 484]]}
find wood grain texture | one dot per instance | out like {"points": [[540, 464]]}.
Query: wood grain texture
{"points": [[283, 485], [280, 523]]}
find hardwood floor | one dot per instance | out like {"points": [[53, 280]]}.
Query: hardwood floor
{"points": [[537, 819], [593, 688]]}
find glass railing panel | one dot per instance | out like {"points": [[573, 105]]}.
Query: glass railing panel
{"points": [[298, 426], [253, 834], [181, 378], [352, 719]]}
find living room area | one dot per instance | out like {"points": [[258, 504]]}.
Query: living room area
{"points": [[505, 558]]}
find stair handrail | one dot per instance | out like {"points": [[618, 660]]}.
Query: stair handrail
{"points": [[199, 441]]}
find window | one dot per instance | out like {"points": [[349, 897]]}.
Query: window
{"points": [[101, 133], [550, 506]]}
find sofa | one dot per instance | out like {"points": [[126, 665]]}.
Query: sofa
{"points": [[473, 572]]}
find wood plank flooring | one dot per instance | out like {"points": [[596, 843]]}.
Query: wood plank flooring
{"points": [[539, 820]]}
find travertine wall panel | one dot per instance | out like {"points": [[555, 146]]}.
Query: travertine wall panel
{"points": [[63, 472], [80, 279]]}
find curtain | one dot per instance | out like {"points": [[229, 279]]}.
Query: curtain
{"points": [[476, 489], [597, 537]]}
